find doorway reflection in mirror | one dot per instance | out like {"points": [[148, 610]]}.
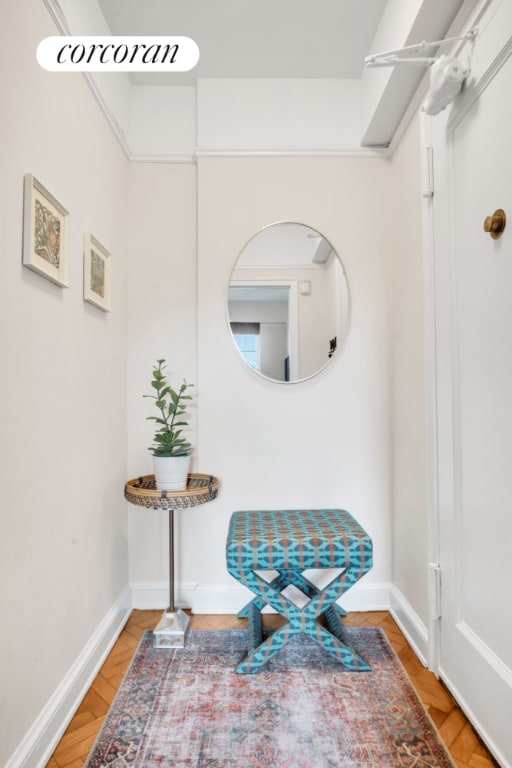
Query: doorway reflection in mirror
{"points": [[287, 301]]}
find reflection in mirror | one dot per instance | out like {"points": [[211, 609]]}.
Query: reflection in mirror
{"points": [[288, 302]]}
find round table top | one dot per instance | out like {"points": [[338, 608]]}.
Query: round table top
{"points": [[200, 489]]}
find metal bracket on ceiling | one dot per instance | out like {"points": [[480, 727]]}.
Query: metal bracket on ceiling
{"points": [[447, 73], [401, 55]]}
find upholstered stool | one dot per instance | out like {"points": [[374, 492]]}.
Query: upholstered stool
{"points": [[291, 542]]}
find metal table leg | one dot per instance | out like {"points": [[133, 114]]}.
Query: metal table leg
{"points": [[173, 626]]}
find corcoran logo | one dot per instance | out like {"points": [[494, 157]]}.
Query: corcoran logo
{"points": [[117, 54]]}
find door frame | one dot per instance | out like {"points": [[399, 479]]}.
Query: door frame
{"points": [[486, 62], [430, 383], [293, 313], [436, 138]]}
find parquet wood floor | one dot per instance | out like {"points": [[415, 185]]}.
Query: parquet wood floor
{"points": [[461, 740]]}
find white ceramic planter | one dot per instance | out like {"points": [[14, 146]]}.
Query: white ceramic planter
{"points": [[171, 472]]}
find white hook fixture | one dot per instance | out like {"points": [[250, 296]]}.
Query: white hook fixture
{"points": [[447, 73]]}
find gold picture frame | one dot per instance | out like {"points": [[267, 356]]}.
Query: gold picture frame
{"points": [[44, 232], [96, 273]]}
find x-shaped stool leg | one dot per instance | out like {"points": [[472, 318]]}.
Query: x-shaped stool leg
{"points": [[299, 620], [280, 582]]}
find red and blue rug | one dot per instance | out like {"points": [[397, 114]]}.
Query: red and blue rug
{"points": [[188, 709]]}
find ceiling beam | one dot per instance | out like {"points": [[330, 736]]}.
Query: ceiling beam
{"points": [[388, 92]]}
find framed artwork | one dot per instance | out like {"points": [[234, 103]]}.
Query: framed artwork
{"points": [[44, 232], [96, 273]]}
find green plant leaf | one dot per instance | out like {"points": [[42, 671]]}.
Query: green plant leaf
{"points": [[167, 440]]}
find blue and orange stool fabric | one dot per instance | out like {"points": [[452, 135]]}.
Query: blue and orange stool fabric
{"points": [[291, 542]]}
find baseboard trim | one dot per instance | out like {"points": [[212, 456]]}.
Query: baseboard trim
{"points": [[227, 599], [45, 733], [154, 595], [231, 599], [413, 628]]}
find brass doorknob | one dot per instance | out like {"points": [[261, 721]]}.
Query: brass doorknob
{"points": [[495, 224]]}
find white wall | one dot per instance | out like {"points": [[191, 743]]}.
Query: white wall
{"points": [[277, 114], [321, 442], [161, 254], [350, 437], [63, 560], [162, 123], [72, 403]]}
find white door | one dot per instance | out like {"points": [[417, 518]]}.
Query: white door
{"points": [[473, 304]]}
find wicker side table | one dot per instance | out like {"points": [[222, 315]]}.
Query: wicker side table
{"points": [[172, 627]]}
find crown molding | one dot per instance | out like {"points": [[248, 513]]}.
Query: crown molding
{"points": [[191, 154], [280, 152], [111, 120], [58, 16], [240, 153]]}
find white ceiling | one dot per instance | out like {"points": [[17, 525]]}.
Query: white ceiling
{"points": [[255, 38], [298, 63]]}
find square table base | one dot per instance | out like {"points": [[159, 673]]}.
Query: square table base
{"points": [[171, 630]]}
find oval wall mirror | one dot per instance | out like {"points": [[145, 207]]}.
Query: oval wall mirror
{"points": [[288, 302]]}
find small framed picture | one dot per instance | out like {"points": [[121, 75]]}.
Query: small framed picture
{"points": [[44, 232], [96, 273]]}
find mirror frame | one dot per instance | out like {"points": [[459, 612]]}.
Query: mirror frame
{"points": [[346, 321]]}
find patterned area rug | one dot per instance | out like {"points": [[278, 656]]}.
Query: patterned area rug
{"points": [[188, 709]]}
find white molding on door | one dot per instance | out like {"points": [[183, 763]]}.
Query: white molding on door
{"points": [[501, 669], [468, 709], [485, 65]]}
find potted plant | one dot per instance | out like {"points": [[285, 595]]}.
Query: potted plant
{"points": [[171, 452]]}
